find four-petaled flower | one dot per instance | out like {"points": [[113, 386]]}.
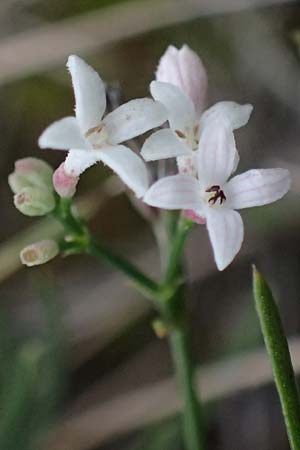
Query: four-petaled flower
{"points": [[187, 123], [90, 137], [215, 198]]}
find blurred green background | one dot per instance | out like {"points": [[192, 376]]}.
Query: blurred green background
{"points": [[80, 366]]}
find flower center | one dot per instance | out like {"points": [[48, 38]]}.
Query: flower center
{"points": [[190, 136], [217, 194], [97, 136]]}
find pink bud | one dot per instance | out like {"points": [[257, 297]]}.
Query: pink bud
{"points": [[192, 215], [64, 184], [185, 69]]}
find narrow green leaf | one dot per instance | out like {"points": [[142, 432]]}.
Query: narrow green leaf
{"points": [[278, 351]]}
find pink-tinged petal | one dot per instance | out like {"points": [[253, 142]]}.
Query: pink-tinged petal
{"points": [[133, 119], [184, 69], [63, 135], [64, 184], [226, 232], [89, 90], [216, 155], [194, 216], [257, 187], [78, 161], [164, 144], [180, 109], [128, 166], [175, 192], [234, 114]]}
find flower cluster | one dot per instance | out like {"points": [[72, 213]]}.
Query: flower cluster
{"points": [[201, 141]]}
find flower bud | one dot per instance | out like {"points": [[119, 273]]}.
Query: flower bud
{"points": [[64, 184], [30, 172], [39, 253], [184, 69], [193, 216], [33, 201]]}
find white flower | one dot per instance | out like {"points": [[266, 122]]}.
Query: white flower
{"points": [[184, 68], [91, 138], [215, 198], [186, 126]]}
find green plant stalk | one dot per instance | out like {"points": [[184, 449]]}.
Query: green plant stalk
{"points": [[175, 313], [193, 435], [175, 249], [278, 351], [169, 300], [82, 241]]}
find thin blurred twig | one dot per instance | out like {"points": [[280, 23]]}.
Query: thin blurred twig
{"points": [[49, 45], [140, 408]]}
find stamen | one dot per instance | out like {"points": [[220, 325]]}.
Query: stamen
{"points": [[218, 195], [180, 134], [93, 130]]}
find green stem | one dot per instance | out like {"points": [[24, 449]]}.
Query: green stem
{"points": [[142, 282], [192, 429], [174, 311], [176, 248], [82, 241], [278, 350]]}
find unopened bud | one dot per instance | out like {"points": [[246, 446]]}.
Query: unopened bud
{"points": [[33, 201], [64, 184], [194, 217], [32, 172], [184, 69], [39, 253]]}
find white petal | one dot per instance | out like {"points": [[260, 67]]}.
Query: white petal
{"points": [[175, 192], [129, 166], [226, 232], [78, 161], [234, 114], [216, 155], [257, 187], [164, 144], [89, 93], [181, 112], [63, 135], [133, 119]]}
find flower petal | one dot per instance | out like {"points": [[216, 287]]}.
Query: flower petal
{"points": [[63, 135], [184, 68], [257, 187], [89, 93], [128, 166], [133, 119], [216, 155], [234, 114], [78, 161], [175, 192], [181, 112], [164, 144], [226, 232]]}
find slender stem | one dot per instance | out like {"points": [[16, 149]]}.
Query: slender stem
{"points": [[192, 431], [176, 247], [140, 280], [278, 350], [174, 310], [82, 241]]}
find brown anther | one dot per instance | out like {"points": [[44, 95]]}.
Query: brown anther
{"points": [[93, 130], [214, 188], [218, 195], [180, 134]]}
